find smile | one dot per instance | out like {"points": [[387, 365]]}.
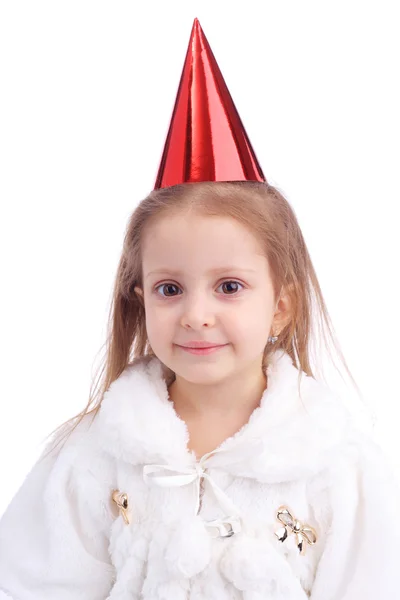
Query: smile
{"points": [[202, 351]]}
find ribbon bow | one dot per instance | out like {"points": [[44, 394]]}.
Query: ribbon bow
{"points": [[177, 476], [292, 525]]}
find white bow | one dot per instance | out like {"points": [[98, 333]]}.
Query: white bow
{"points": [[153, 475]]}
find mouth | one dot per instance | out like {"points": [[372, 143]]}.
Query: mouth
{"points": [[198, 344], [203, 350]]}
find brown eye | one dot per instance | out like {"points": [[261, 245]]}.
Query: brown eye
{"points": [[231, 287], [168, 286], [228, 286]]}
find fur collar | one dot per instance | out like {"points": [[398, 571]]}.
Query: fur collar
{"points": [[295, 432]]}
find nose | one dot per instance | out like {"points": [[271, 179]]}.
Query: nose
{"points": [[197, 311]]}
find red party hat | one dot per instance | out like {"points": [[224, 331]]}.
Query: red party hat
{"points": [[206, 140]]}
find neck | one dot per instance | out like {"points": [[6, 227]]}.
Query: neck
{"points": [[235, 396]]}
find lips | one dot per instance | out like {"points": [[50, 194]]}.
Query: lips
{"points": [[197, 345], [202, 351]]}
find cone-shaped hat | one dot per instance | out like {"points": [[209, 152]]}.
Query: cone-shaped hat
{"points": [[206, 140]]}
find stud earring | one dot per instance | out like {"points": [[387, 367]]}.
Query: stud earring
{"points": [[272, 339]]}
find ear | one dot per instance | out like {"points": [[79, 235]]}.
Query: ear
{"points": [[140, 295], [283, 311]]}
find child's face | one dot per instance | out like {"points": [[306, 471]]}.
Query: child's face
{"points": [[234, 307]]}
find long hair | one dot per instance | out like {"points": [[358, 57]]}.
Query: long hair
{"points": [[268, 215]]}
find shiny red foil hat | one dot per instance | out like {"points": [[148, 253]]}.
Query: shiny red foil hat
{"points": [[206, 140]]}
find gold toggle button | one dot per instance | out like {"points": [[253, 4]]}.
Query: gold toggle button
{"points": [[121, 500]]}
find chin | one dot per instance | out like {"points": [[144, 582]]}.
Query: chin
{"points": [[203, 372]]}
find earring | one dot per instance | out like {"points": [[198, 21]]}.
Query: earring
{"points": [[272, 339]]}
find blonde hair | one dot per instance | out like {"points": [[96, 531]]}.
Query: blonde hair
{"points": [[268, 215]]}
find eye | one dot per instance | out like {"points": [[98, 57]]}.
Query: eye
{"points": [[166, 285], [228, 285]]}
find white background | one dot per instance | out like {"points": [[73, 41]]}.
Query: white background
{"points": [[87, 90]]}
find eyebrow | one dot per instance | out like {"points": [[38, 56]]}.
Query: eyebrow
{"points": [[210, 272]]}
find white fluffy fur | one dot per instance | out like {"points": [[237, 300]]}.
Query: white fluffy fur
{"points": [[62, 536]]}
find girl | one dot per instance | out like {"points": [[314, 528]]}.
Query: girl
{"points": [[214, 465]]}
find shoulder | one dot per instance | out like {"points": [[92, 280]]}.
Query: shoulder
{"points": [[73, 460], [71, 440], [370, 460], [123, 407], [328, 436], [359, 469]]}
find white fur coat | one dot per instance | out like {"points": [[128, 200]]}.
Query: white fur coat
{"points": [[64, 537]]}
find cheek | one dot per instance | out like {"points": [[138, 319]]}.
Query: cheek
{"points": [[158, 323], [251, 325], [249, 328]]}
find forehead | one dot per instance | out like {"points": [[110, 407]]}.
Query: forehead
{"points": [[193, 243]]}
